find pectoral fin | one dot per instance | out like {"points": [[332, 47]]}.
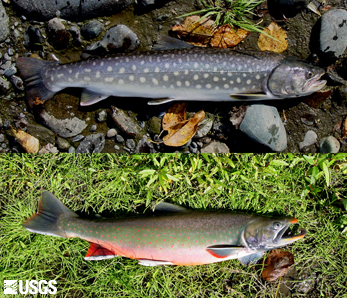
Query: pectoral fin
{"points": [[98, 252], [160, 101], [256, 96], [251, 259], [145, 262], [89, 97], [224, 251], [167, 207]]}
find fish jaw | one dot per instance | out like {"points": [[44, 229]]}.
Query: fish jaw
{"points": [[314, 84]]}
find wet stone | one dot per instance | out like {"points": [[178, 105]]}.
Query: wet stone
{"points": [[116, 147], [93, 128], [145, 146], [72, 150], [130, 143], [119, 139], [101, 116], [10, 71], [263, 124], [17, 83], [329, 145], [58, 36], [193, 150], [125, 123], [111, 133], [2, 138], [92, 144], [333, 33], [33, 39], [309, 139], [154, 125], [215, 147], [204, 127], [4, 23], [4, 85], [62, 144], [77, 138], [92, 29], [76, 35], [43, 134]]}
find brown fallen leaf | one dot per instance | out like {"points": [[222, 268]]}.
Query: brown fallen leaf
{"points": [[195, 31], [28, 142], [277, 264], [186, 130], [227, 37], [316, 99], [175, 114], [266, 43]]}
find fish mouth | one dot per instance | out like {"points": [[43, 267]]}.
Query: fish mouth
{"points": [[314, 84], [279, 240]]}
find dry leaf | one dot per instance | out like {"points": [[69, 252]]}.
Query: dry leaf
{"points": [[196, 32], [266, 43], [226, 37], [174, 115], [28, 142], [181, 136], [277, 264]]}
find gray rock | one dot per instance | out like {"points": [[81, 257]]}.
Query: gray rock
{"points": [[43, 134], [111, 133], [154, 125], [119, 139], [17, 82], [143, 3], [49, 148], [62, 144], [33, 39], [72, 9], [2, 138], [92, 144], [130, 143], [116, 147], [65, 128], [76, 35], [10, 71], [204, 127], [193, 150], [116, 39], [4, 23], [309, 139], [93, 128], [333, 33], [329, 145], [72, 150], [4, 85], [101, 116], [58, 36], [92, 29], [145, 146], [263, 124], [215, 147], [125, 123], [6, 65], [10, 52], [77, 138]]}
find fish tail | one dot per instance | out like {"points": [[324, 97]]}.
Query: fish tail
{"points": [[50, 211], [30, 71]]}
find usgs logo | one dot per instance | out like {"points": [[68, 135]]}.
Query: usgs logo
{"points": [[29, 287]]}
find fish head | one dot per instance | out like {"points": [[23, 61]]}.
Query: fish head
{"points": [[294, 77], [264, 233]]}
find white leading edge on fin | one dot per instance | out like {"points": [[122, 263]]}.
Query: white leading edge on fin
{"points": [[153, 263], [98, 258]]}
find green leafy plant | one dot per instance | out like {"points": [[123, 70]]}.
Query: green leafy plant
{"points": [[236, 13]]}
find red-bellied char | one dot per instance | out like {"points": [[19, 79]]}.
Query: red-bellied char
{"points": [[173, 235]]}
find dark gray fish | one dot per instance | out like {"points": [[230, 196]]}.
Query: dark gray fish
{"points": [[184, 74]]}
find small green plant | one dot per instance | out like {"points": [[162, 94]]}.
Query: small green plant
{"points": [[236, 13]]}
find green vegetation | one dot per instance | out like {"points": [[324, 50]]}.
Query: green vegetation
{"points": [[236, 13], [311, 188]]}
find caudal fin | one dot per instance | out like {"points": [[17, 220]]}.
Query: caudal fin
{"points": [[30, 71], [45, 221]]}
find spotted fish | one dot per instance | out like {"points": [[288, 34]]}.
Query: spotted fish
{"points": [[183, 74], [172, 236]]}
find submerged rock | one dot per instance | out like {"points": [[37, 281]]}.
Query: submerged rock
{"points": [[92, 144], [329, 145], [72, 9], [263, 124], [92, 29], [58, 36], [215, 147], [125, 123], [4, 23]]}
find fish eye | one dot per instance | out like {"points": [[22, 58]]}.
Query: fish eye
{"points": [[276, 225], [309, 74]]}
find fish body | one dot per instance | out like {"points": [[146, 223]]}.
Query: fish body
{"points": [[172, 236], [183, 74]]}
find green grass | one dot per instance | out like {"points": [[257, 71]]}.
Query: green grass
{"points": [[311, 188]]}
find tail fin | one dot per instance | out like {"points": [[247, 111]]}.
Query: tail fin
{"points": [[30, 71], [45, 221]]}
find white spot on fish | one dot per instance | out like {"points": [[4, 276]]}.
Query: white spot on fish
{"points": [[206, 75], [257, 77], [52, 79], [176, 73], [216, 88], [134, 67], [87, 79], [215, 69], [186, 71], [102, 63], [198, 86], [253, 87], [208, 86], [70, 70], [146, 70], [109, 80], [165, 78], [196, 77], [70, 80], [207, 65], [131, 78], [187, 83], [122, 70], [179, 84], [155, 81], [231, 82], [179, 60], [236, 89], [97, 75], [238, 80], [226, 86], [216, 79], [87, 70], [239, 68], [60, 75], [244, 75], [120, 82], [142, 79], [156, 69], [77, 74], [196, 65], [94, 63], [167, 65], [248, 82], [230, 74], [143, 62]]}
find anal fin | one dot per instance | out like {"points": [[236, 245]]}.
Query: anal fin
{"points": [[98, 252], [255, 96], [223, 251], [89, 97]]}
